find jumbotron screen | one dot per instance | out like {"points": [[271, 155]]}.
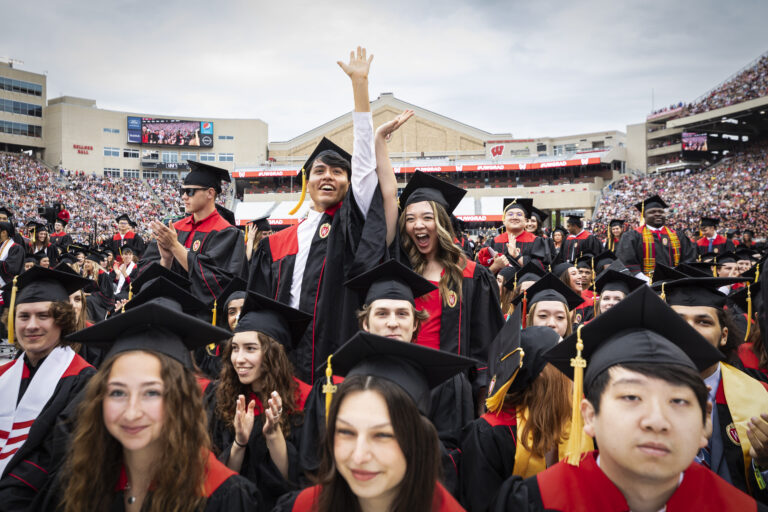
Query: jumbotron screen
{"points": [[170, 132], [695, 141]]}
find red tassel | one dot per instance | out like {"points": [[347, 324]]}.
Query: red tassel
{"points": [[525, 308]]}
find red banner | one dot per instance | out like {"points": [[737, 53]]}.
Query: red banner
{"points": [[480, 218], [265, 173], [272, 222]]}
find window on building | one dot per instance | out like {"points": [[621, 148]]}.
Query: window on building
{"points": [[170, 175], [571, 148], [26, 130], [170, 157], [111, 151], [130, 153], [207, 157], [226, 157], [598, 144], [150, 173], [19, 86], [19, 107], [111, 130], [186, 155], [111, 172], [130, 173]]}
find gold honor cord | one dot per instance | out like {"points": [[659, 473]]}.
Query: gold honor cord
{"points": [[749, 311], [328, 388], [303, 192]]}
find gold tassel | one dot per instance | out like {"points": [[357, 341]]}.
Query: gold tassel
{"points": [[303, 192], [328, 388], [12, 313], [642, 214], [573, 448], [495, 402], [246, 233], [749, 312], [757, 272], [663, 293], [215, 307], [130, 291]]}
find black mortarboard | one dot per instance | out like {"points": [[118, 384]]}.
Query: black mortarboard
{"points": [[235, 289], [558, 269], [37, 225], [159, 325], [40, 255], [561, 229], [540, 215], [639, 329], [616, 222], [662, 273], [752, 272], [516, 358], [40, 284], [651, 202], [262, 223], [76, 248], [30, 259], [743, 253], [275, 319], [695, 269], [508, 273], [154, 270], [585, 260], [7, 211], [611, 280], [95, 256], [124, 217], [7, 226], [699, 291], [206, 176], [66, 259], [726, 257], [753, 293], [162, 287], [529, 272], [575, 219], [424, 187], [325, 145], [551, 288], [226, 214], [414, 368], [521, 203], [390, 280], [709, 256], [618, 266], [709, 222], [604, 258]]}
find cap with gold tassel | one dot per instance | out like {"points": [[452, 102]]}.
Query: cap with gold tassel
{"points": [[749, 311], [324, 148], [329, 388], [578, 364], [12, 313]]}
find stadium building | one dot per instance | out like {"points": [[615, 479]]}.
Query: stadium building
{"points": [[22, 109]]}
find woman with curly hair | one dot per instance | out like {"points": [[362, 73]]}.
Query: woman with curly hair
{"points": [[380, 452], [140, 440], [255, 409]]}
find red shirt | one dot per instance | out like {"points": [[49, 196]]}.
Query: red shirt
{"points": [[429, 331], [208, 224]]}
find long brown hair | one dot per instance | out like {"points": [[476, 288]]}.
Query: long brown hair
{"points": [[276, 375], [450, 256], [93, 462], [548, 402], [415, 434]]}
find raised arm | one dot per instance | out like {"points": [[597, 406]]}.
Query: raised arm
{"points": [[364, 179], [387, 180]]}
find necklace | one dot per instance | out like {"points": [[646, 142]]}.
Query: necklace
{"points": [[131, 499]]}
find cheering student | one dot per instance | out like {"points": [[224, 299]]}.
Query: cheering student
{"points": [[100, 290], [203, 247], [60, 239], [528, 411], [615, 231], [255, 409], [124, 236], [140, 440], [549, 303], [711, 241], [515, 243], [43, 379], [646, 406], [12, 262], [641, 248], [6, 215], [343, 235], [40, 243], [380, 453], [124, 272], [464, 311], [579, 241], [737, 398], [516, 281]]}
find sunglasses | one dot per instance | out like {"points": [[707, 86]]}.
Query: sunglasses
{"points": [[189, 191]]}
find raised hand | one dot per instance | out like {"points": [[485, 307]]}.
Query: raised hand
{"points": [[358, 66], [387, 129], [272, 414], [243, 421]]}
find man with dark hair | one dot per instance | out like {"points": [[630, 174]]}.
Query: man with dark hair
{"points": [[579, 241], [60, 239], [647, 409], [712, 241], [639, 249], [40, 383]]}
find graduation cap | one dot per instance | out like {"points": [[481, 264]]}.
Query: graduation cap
{"points": [[639, 329], [158, 325], [424, 187], [29, 259], [7, 226], [390, 280], [206, 176], [726, 257], [550, 288], [76, 248], [616, 222], [540, 215], [95, 256], [611, 280], [604, 258], [663, 273], [743, 254], [262, 223], [560, 268], [279, 321], [709, 222], [699, 291], [324, 148], [696, 269], [124, 217], [516, 359], [586, 260], [40, 255], [650, 202], [235, 289], [226, 214], [414, 368], [154, 270], [575, 219], [520, 203], [162, 287], [561, 229], [7, 211], [528, 272], [618, 266], [508, 273]]}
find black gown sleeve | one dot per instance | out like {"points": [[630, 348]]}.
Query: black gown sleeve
{"points": [[236, 494], [486, 319], [223, 257], [518, 495], [313, 429], [286, 502], [687, 249], [629, 251], [13, 263], [488, 459], [260, 271]]}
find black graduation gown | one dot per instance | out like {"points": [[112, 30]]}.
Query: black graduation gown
{"points": [[13, 264], [49, 250], [216, 254], [257, 464], [586, 488], [345, 244], [61, 242], [532, 248], [30, 468], [720, 245], [116, 243], [583, 243], [630, 250], [101, 299], [488, 451]]}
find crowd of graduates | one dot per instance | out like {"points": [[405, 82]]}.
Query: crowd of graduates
{"points": [[369, 358]]}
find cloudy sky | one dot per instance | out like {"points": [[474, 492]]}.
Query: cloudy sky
{"points": [[527, 68]]}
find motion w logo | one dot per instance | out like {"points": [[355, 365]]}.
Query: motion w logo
{"points": [[497, 150]]}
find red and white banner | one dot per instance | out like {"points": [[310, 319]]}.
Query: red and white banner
{"points": [[480, 218], [264, 173], [272, 222]]}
